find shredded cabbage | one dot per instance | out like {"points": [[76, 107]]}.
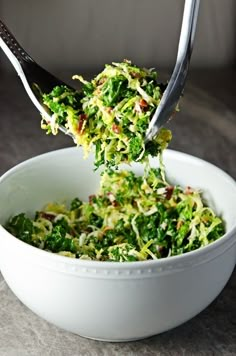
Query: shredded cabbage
{"points": [[111, 113], [131, 218]]}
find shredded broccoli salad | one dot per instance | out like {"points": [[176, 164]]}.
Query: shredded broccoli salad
{"points": [[111, 113], [132, 218]]}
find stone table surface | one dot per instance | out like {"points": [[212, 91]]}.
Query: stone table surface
{"points": [[205, 127]]}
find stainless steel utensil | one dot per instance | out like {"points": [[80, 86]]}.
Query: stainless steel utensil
{"points": [[35, 79], [177, 81]]}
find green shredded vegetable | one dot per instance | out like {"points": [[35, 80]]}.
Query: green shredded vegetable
{"points": [[132, 218], [111, 113]]}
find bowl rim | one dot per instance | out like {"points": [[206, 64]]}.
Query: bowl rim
{"points": [[187, 257]]}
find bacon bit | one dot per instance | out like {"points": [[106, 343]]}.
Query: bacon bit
{"points": [[135, 75], [188, 190], [91, 198], [159, 248], [116, 128], [179, 224], [169, 192], [105, 229], [82, 119], [141, 106], [143, 103], [109, 109], [47, 216], [101, 81], [112, 199], [73, 232]]}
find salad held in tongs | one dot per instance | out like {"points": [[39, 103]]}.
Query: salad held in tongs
{"points": [[111, 113]]}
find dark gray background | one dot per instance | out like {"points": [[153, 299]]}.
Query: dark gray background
{"points": [[82, 35]]}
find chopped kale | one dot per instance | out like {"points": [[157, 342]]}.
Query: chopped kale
{"points": [[131, 218], [21, 227], [112, 113]]}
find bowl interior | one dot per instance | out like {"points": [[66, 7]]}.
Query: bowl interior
{"points": [[64, 174]]}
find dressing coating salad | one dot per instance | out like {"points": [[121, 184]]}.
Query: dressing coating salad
{"points": [[132, 218], [111, 113]]}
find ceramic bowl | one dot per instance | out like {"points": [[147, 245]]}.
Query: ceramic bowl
{"points": [[111, 300]]}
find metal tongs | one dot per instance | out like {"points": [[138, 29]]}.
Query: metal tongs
{"points": [[177, 81], [37, 80]]}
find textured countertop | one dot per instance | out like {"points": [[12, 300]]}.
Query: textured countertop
{"points": [[205, 127]]}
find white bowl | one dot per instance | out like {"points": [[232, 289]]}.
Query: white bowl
{"points": [[109, 300]]}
